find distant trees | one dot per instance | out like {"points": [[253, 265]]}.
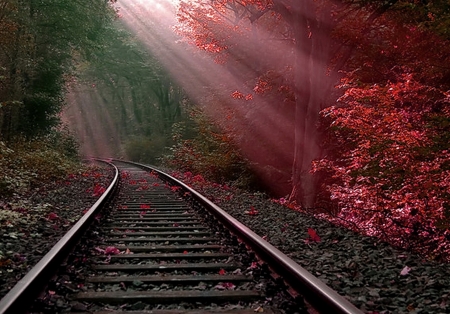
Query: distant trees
{"points": [[39, 40], [128, 84]]}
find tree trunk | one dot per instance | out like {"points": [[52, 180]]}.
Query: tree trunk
{"points": [[313, 84], [301, 188]]}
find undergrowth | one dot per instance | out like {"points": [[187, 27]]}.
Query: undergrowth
{"points": [[25, 164]]}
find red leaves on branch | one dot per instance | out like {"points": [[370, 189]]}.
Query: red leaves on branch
{"points": [[390, 175], [145, 206]]}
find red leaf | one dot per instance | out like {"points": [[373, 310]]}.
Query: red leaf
{"points": [[52, 216], [98, 190], [313, 236], [252, 211], [222, 272], [112, 250], [175, 188]]}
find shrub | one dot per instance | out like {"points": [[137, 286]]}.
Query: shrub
{"points": [[146, 150], [210, 152], [26, 163]]}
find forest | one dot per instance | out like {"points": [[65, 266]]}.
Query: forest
{"points": [[338, 108]]}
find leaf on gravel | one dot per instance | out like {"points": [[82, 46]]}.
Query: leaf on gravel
{"points": [[225, 286], [253, 265], [98, 190], [112, 250], [313, 236], [252, 211], [52, 216], [405, 271]]}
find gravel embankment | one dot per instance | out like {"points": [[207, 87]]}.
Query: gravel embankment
{"points": [[31, 224], [365, 270]]}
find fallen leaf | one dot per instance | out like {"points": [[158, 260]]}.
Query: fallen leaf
{"points": [[112, 250], [405, 271], [252, 211], [313, 236], [52, 216]]}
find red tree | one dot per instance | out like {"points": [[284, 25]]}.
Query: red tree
{"points": [[245, 30], [390, 133]]}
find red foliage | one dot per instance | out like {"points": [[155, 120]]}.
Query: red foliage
{"points": [[111, 250], [391, 168]]}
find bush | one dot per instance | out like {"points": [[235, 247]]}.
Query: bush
{"points": [[210, 153], [26, 163], [146, 150]]}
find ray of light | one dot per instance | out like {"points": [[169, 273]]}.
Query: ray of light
{"points": [[267, 131]]}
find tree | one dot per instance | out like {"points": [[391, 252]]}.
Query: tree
{"points": [[40, 39], [390, 131], [132, 91], [221, 27]]}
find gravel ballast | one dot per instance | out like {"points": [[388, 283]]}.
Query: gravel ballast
{"points": [[370, 273], [373, 275], [31, 223]]}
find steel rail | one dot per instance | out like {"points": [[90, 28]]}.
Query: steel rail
{"points": [[316, 292], [19, 298]]}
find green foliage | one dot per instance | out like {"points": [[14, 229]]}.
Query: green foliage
{"points": [[127, 84], [210, 153], [24, 164], [39, 40], [145, 149]]}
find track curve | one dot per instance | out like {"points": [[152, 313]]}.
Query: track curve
{"points": [[164, 248]]}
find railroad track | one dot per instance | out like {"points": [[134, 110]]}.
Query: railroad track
{"points": [[159, 247]]}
